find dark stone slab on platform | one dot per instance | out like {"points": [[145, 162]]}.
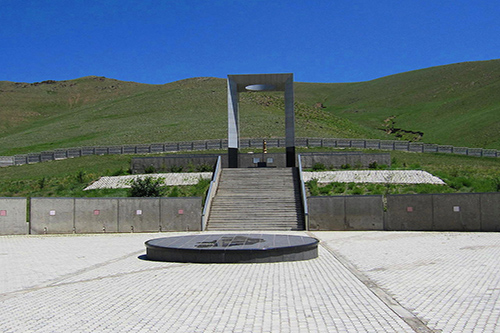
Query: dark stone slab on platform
{"points": [[232, 248]]}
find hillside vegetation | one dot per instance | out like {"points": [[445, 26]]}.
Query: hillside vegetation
{"points": [[456, 104], [68, 178]]}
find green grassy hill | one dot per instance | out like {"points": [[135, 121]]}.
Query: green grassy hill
{"points": [[456, 104], [101, 111]]}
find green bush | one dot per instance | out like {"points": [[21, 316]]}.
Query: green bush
{"points": [[325, 190], [176, 168], [358, 190], [373, 165], [190, 167], [496, 184], [175, 192], [42, 182], [80, 176], [121, 172], [460, 182], [312, 185], [150, 169], [318, 167], [339, 188], [200, 188], [204, 168], [147, 187]]}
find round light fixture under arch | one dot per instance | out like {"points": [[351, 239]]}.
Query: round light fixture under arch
{"points": [[260, 87]]}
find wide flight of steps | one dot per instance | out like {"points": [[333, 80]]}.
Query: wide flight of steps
{"points": [[257, 199]]}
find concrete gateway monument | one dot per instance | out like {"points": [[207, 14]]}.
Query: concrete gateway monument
{"points": [[259, 82]]}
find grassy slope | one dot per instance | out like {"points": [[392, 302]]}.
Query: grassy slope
{"points": [[456, 104], [98, 111], [69, 177]]}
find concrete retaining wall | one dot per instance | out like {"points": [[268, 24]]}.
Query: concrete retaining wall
{"points": [[419, 212], [458, 212], [444, 212], [409, 212], [364, 212], [139, 214], [98, 215], [415, 212], [490, 211], [327, 213], [252, 160], [181, 214], [52, 215], [172, 162], [13, 216], [168, 163], [346, 213], [337, 160]]}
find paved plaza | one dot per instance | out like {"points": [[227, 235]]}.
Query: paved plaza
{"points": [[361, 282]]}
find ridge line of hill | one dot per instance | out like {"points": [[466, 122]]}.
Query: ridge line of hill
{"points": [[455, 104]]}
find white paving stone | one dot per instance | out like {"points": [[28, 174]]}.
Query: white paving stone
{"points": [[350, 176], [112, 289], [170, 179], [82, 283], [374, 176], [450, 280]]}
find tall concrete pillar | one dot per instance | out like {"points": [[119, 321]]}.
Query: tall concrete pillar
{"points": [[233, 132], [289, 123]]}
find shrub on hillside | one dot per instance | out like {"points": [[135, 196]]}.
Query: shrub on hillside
{"points": [[204, 168], [150, 169], [147, 187], [176, 168], [319, 167]]}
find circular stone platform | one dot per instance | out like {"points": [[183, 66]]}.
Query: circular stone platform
{"points": [[232, 248]]}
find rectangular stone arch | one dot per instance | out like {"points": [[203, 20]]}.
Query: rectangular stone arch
{"points": [[259, 82]]}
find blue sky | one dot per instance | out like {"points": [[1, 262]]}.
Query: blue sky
{"points": [[163, 41]]}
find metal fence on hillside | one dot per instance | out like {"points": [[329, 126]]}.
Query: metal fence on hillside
{"points": [[154, 148]]}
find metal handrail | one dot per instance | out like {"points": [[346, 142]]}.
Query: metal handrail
{"points": [[303, 194], [211, 193]]}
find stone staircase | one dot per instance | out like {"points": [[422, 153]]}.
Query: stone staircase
{"points": [[257, 199]]}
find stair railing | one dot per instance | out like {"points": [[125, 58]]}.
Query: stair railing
{"points": [[211, 193], [303, 194]]}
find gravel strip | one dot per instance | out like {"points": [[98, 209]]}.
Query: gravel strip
{"points": [[169, 178], [379, 176], [353, 176]]}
